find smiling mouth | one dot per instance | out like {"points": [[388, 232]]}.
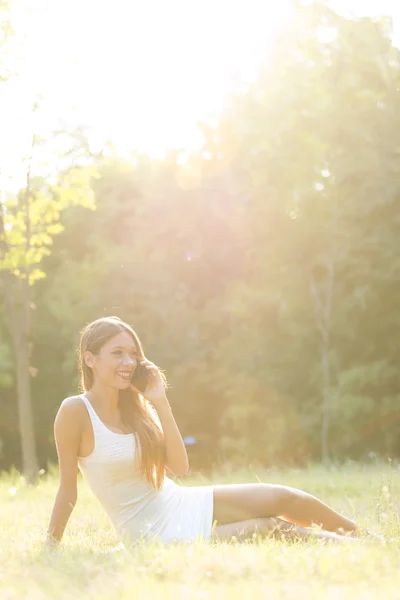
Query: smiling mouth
{"points": [[126, 375]]}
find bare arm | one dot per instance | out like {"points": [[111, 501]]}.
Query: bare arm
{"points": [[67, 433], [176, 456]]}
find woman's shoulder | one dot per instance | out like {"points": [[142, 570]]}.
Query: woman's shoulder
{"points": [[73, 406], [73, 402], [73, 399], [71, 415]]}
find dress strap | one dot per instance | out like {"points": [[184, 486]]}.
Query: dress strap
{"points": [[97, 423], [95, 419]]}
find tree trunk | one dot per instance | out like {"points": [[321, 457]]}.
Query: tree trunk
{"points": [[25, 413], [19, 330], [16, 291]]}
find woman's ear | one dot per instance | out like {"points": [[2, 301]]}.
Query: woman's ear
{"points": [[89, 359]]}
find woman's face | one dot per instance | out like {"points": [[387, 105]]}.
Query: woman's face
{"points": [[114, 364]]}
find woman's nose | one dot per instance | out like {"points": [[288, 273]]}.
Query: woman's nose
{"points": [[128, 360]]}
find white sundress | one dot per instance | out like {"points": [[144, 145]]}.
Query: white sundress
{"points": [[137, 511]]}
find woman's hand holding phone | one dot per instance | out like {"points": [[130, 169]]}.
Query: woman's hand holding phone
{"points": [[140, 377], [148, 381]]}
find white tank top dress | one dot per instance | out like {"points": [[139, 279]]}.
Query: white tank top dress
{"points": [[137, 511]]}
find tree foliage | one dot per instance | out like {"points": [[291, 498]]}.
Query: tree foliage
{"points": [[262, 274]]}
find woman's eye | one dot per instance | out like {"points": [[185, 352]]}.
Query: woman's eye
{"points": [[117, 352]]}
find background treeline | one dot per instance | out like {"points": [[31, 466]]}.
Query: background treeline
{"points": [[262, 272]]}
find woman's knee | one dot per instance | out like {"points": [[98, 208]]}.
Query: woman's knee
{"points": [[240, 503], [286, 499]]}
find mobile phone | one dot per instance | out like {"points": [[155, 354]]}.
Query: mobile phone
{"points": [[140, 377]]}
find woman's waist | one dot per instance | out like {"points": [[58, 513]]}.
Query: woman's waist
{"points": [[119, 495]]}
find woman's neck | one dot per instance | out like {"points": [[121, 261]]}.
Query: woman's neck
{"points": [[104, 398]]}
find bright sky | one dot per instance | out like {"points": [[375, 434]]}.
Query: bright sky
{"points": [[141, 72]]}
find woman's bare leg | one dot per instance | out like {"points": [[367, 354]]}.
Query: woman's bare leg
{"points": [[241, 502], [272, 527]]}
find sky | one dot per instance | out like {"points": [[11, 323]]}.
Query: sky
{"points": [[142, 72]]}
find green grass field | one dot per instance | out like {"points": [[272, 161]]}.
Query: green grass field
{"points": [[87, 564]]}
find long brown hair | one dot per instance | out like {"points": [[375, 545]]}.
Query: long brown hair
{"points": [[136, 412]]}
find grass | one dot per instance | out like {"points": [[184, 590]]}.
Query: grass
{"points": [[88, 566]]}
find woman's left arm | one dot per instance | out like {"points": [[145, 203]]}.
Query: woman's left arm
{"points": [[176, 458]]}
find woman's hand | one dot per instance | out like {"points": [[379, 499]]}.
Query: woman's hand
{"points": [[176, 459], [50, 544], [155, 389]]}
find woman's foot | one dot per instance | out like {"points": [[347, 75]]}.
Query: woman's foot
{"points": [[376, 536], [356, 534]]}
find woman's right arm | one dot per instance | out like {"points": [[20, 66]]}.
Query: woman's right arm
{"points": [[67, 434]]}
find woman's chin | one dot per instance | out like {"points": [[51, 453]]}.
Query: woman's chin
{"points": [[123, 385]]}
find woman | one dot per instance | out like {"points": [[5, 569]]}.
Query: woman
{"points": [[122, 440]]}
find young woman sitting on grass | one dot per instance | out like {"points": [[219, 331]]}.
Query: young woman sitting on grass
{"points": [[122, 438]]}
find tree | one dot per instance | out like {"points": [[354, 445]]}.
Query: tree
{"points": [[28, 223], [313, 147], [263, 273]]}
